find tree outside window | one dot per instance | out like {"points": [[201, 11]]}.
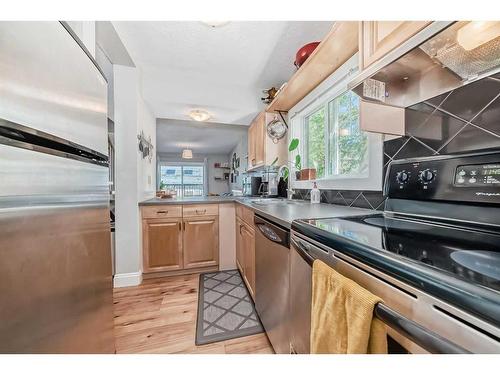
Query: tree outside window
{"points": [[334, 144]]}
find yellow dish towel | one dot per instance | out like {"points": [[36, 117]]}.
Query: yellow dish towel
{"points": [[342, 320]]}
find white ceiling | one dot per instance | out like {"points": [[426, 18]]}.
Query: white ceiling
{"points": [[189, 65], [202, 138]]}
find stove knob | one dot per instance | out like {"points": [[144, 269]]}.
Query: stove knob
{"points": [[427, 175], [402, 177]]}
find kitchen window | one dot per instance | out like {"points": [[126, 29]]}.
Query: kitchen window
{"points": [[186, 179], [327, 124]]}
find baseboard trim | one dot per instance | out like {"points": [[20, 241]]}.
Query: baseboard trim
{"points": [[189, 271], [122, 280]]}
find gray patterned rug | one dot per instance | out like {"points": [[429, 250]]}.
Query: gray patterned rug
{"points": [[225, 308]]}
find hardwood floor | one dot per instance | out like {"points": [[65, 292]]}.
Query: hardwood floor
{"points": [[159, 316]]}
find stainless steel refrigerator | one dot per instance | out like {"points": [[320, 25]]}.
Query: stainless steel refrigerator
{"points": [[55, 261]]}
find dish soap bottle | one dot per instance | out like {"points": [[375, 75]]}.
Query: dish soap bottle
{"points": [[315, 194]]}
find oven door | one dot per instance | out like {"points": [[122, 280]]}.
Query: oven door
{"points": [[417, 322], [302, 256]]}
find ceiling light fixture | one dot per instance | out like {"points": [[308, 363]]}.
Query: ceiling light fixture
{"points": [[214, 24], [199, 115], [187, 154]]}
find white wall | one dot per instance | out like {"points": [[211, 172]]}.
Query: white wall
{"points": [[146, 181], [135, 176], [214, 186]]}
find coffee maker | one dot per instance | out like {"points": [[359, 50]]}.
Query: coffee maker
{"points": [[251, 185], [270, 181]]}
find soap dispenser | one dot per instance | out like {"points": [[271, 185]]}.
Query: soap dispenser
{"points": [[315, 194]]}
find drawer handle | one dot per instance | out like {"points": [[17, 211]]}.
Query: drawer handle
{"points": [[201, 211], [162, 212]]}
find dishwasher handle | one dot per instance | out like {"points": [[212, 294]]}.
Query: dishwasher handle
{"points": [[272, 231], [303, 250]]}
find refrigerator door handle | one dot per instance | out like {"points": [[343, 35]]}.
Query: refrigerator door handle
{"points": [[18, 135]]}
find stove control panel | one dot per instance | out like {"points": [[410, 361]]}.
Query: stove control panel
{"points": [[478, 175], [473, 177]]}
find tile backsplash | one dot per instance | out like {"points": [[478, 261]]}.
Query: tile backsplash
{"points": [[464, 119], [352, 198]]}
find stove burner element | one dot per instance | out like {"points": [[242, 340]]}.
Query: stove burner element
{"points": [[483, 262]]}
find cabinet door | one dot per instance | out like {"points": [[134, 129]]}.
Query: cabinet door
{"points": [[201, 241], [260, 139], [377, 38], [240, 260], [248, 240], [162, 244], [251, 146]]}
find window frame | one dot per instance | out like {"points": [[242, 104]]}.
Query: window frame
{"points": [[330, 89], [163, 163]]}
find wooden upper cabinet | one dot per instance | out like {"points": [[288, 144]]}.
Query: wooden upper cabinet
{"points": [[260, 139], [162, 244], [201, 241], [377, 38], [251, 146], [256, 142]]}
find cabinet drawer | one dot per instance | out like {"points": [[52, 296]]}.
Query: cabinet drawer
{"points": [[157, 212], [200, 210], [245, 214]]}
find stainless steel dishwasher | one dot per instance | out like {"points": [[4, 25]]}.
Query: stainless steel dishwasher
{"points": [[272, 281], [300, 298]]}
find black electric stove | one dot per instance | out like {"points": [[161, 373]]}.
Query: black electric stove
{"points": [[439, 232], [469, 253]]}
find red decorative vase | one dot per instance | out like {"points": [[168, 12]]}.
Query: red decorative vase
{"points": [[304, 52]]}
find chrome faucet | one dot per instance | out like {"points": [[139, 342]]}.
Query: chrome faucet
{"points": [[289, 191]]}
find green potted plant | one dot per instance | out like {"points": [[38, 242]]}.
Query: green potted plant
{"points": [[294, 143]]}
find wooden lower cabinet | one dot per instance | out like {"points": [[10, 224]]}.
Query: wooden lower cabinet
{"points": [[182, 243], [239, 246], [245, 253], [248, 241], [201, 241], [162, 244]]}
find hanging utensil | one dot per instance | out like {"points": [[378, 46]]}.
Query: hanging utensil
{"points": [[276, 129]]}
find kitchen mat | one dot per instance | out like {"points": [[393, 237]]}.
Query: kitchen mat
{"points": [[225, 308]]}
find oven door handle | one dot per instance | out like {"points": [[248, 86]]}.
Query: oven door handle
{"points": [[428, 340]]}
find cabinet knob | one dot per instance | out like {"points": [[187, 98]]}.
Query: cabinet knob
{"points": [[161, 212]]}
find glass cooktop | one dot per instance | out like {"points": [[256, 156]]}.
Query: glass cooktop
{"points": [[472, 254]]}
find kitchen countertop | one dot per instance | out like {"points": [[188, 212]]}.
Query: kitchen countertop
{"points": [[282, 213], [190, 200]]}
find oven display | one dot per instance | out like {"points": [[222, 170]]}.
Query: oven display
{"points": [[478, 175]]}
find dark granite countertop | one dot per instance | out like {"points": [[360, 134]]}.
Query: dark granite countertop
{"points": [[190, 200], [279, 211]]}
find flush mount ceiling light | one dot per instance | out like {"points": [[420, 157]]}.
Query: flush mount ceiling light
{"points": [[187, 154], [214, 24], [199, 115]]}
